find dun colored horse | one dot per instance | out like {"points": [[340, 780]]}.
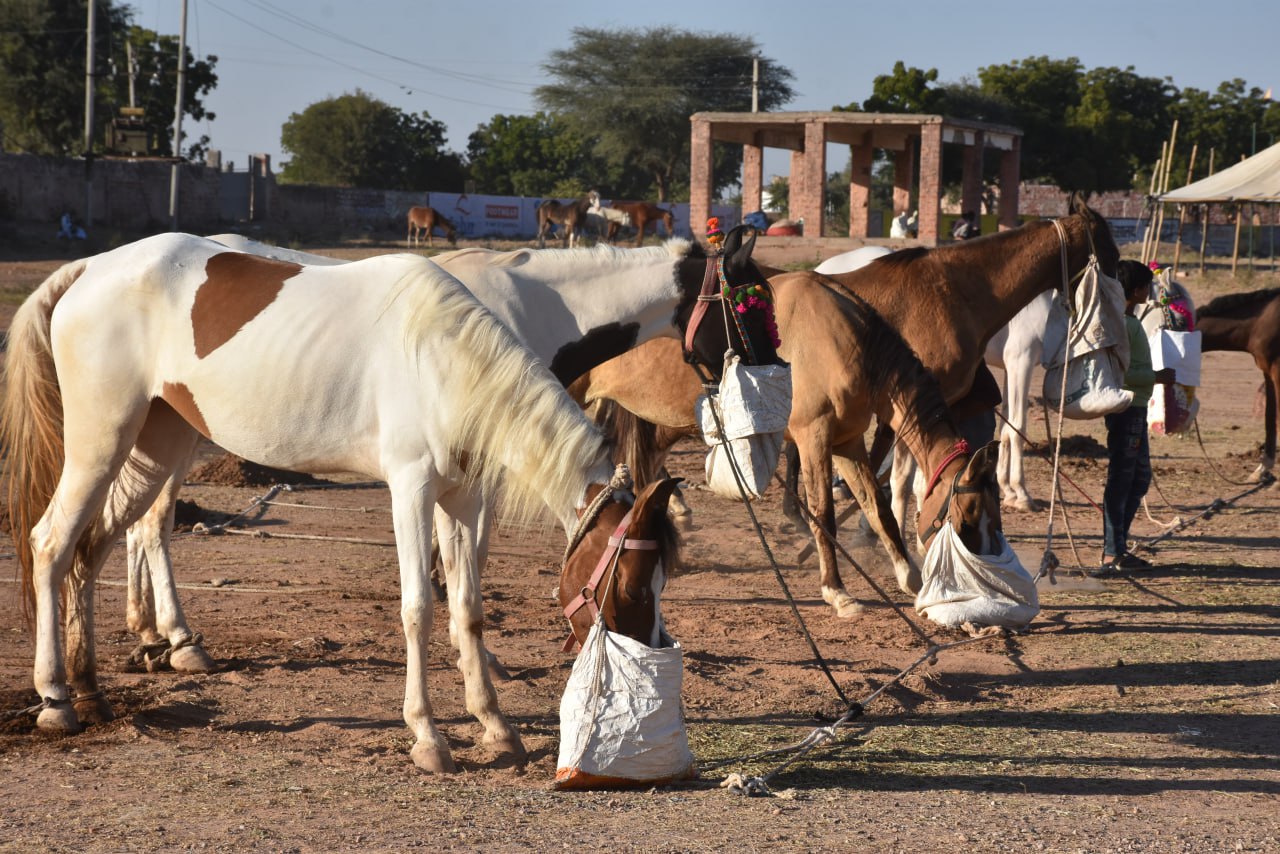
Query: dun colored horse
{"points": [[424, 219], [645, 214], [572, 216], [386, 367], [1249, 323], [946, 303]]}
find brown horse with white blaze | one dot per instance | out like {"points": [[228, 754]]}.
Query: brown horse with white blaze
{"points": [[423, 220], [645, 214]]}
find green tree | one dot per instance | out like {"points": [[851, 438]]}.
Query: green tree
{"points": [[1235, 121], [42, 53], [539, 155], [633, 91], [357, 140], [905, 90]]}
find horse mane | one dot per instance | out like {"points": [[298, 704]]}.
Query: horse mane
{"points": [[892, 366], [524, 436], [602, 254], [1237, 305]]}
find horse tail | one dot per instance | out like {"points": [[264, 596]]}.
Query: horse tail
{"points": [[31, 417]]}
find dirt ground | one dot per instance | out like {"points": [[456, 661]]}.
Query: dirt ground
{"points": [[1136, 714]]}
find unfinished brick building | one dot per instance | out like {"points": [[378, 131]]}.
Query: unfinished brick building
{"points": [[901, 135]]}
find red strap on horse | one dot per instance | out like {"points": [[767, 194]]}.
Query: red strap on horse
{"points": [[959, 449], [587, 596], [707, 296]]}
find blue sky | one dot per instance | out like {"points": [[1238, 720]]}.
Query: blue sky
{"points": [[467, 60]]}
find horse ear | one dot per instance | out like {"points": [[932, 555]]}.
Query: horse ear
{"points": [[738, 244], [653, 499], [983, 462], [1078, 204]]}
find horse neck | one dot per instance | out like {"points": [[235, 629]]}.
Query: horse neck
{"points": [[1021, 263], [1225, 333], [928, 433]]}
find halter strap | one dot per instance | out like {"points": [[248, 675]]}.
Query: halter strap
{"points": [[586, 597], [707, 296], [959, 449]]}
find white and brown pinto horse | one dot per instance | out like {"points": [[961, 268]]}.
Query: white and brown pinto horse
{"points": [[387, 368], [574, 308], [425, 219]]}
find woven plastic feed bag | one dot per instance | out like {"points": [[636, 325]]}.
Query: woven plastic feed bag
{"points": [[753, 406], [984, 590], [621, 716], [1097, 352]]}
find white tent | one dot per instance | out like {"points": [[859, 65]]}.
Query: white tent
{"points": [[1253, 181], [1256, 179]]}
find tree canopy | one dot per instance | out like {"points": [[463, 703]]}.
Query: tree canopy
{"points": [[357, 140], [632, 91], [42, 53], [540, 155]]}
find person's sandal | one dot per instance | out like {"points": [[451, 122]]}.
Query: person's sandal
{"points": [[1129, 560]]}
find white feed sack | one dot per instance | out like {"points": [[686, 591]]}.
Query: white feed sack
{"points": [[753, 405], [1097, 352], [984, 590], [621, 717]]}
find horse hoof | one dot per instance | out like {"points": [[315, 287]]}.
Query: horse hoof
{"points": [[93, 710], [910, 581], [59, 719], [432, 760], [192, 659], [508, 745], [847, 608]]}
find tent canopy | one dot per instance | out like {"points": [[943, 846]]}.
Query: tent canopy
{"points": [[1256, 179]]}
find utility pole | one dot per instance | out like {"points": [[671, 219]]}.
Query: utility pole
{"points": [[177, 121], [88, 113], [755, 84]]}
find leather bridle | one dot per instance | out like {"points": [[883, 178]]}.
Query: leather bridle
{"points": [[618, 543], [716, 288]]}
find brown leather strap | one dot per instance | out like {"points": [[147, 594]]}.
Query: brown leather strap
{"points": [[707, 296]]}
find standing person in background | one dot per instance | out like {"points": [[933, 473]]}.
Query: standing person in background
{"points": [[1128, 446], [966, 227]]}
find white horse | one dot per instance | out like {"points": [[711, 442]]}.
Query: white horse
{"points": [[574, 308], [387, 368]]}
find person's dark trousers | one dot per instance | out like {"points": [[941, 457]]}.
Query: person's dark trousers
{"points": [[1128, 476]]}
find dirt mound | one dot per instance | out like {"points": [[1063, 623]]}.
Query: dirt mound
{"points": [[230, 470]]}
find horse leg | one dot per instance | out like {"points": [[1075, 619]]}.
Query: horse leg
{"points": [[154, 611], [413, 498], [854, 466], [814, 444], [1009, 471], [1271, 383], [462, 522], [791, 478], [901, 477]]}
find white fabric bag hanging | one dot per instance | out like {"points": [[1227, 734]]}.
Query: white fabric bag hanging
{"points": [[986, 590], [1097, 352], [621, 716], [753, 404]]}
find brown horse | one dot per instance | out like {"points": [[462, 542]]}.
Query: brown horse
{"points": [[645, 214], [1249, 323], [946, 303], [571, 215], [424, 219]]}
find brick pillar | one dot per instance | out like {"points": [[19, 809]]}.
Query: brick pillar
{"points": [[971, 181], [795, 185], [904, 177], [699, 178], [815, 178], [930, 183], [1010, 176], [752, 178], [860, 187]]}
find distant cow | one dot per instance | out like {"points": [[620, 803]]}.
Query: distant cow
{"points": [[424, 219]]}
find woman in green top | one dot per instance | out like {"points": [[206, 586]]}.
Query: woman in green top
{"points": [[1128, 449]]}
